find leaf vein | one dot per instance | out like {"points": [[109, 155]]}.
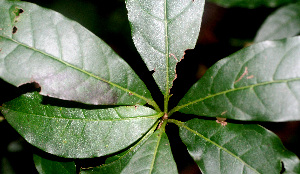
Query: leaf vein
{"points": [[233, 90], [218, 146], [150, 101]]}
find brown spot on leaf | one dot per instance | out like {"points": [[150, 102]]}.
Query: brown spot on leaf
{"points": [[245, 73], [222, 121], [173, 55], [224, 113], [14, 30], [250, 77]]}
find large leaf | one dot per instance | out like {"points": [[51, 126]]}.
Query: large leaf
{"points": [[283, 23], [77, 133], [64, 58], [252, 3], [162, 30], [48, 166], [235, 148], [261, 82], [151, 155]]}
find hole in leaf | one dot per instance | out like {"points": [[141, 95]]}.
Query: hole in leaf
{"points": [[14, 30], [283, 168], [17, 13], [21, 11]]}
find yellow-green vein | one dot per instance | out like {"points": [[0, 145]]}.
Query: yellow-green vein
{"points": [[177, 108]]}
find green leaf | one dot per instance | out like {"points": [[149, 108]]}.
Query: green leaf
{"points": [[261, 82], [65, 59], [234, 148], [48, 166], [77, 133], [162, 30], [151, 155], [283, 23], [116, 163], [252, 3]]}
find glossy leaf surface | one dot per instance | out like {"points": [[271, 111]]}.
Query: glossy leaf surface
{"points": [[261, 82], [283, 23], [64, 58], [47, 166], [152, 155], [162, 30], [77, 133], [235, 148], [252, 3]]}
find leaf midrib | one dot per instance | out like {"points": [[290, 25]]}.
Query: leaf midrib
{"points": [[132, 149], [231, 90], [150, 101], [217, 145], [166, 95], [156, 150], [87, 120]]}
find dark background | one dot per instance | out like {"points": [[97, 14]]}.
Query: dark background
{"points": [[223, 32]]}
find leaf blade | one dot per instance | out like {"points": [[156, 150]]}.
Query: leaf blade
{"points": [[161, 34], [235, 148], [251, 3], [281, 24], [152, 155], [77, 133], [47, 166], [64, 58], [256, 83]]}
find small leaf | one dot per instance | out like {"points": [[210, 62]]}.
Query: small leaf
{"points": [[47, 166], [65, 59], [77, 133], [152, 155], [283, 23], [162, 30], [251, 3], [261, 82], [234, 148]]}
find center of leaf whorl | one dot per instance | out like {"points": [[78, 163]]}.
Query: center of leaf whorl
{"points": [[162, 124]]}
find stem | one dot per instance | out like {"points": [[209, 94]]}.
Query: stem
{"points": [[172, 111], [166, 102], [178, 123], [162, 125], [154, 104]]}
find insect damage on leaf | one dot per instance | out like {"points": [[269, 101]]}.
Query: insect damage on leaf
{"points": [[173, 55], [14, 30], [244, 73], [221, 120], [18, 11]]}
